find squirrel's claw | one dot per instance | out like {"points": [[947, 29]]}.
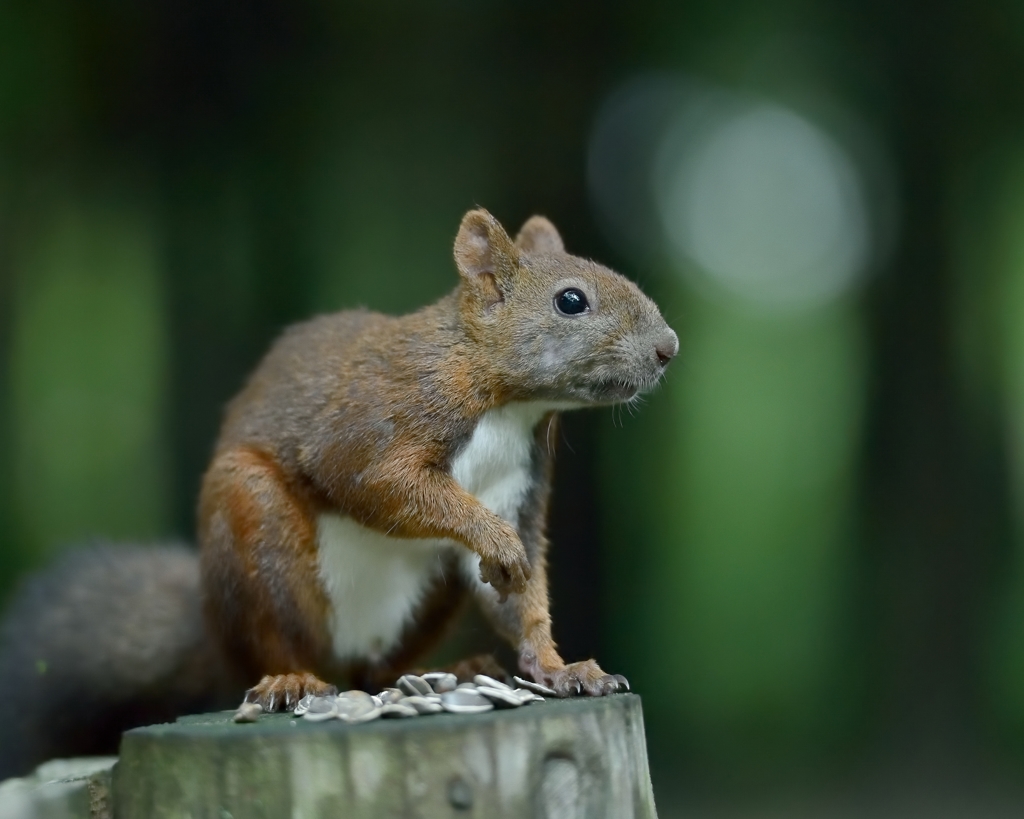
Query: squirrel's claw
{"points": [[583, 678], [283, 691]]}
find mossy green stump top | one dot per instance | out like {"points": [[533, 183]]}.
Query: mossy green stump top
{"points": [[561, 759]]}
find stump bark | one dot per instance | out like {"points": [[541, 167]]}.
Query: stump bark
{"points": [[61, 789], [562, 759]]}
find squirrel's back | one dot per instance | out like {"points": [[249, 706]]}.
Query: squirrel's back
{"points": [[334, 392], [106, 639]]}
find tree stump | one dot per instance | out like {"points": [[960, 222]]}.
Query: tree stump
{"points": [[562, 759], [60, 789]]}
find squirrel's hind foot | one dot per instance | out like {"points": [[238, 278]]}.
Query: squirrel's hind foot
{"points": [[583, 678], [282, 692]]}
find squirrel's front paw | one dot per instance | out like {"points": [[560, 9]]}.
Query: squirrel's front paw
{"points": [[506, 566], [507, 577], [579, 678], [283, 691]]}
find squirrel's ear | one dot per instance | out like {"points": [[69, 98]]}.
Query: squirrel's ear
{"points": [[483, 248], [538, 235]]}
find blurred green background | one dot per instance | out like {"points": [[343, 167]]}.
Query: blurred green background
{"points": [[805, 550]]}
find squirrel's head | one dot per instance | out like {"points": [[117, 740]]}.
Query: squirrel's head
{"points": [[556, 327]]}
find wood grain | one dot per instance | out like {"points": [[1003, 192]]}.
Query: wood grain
{"points": [[584, 758]]}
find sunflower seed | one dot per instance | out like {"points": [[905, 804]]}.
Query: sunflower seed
{"points": [[371, 714], [536, 688], [248, 712], [412, 685], [321, 708], [441, 681], [483, 680], [424, 705], [356, 696], [465, 701], [440, 678], [500, 696], [398, 709], [354, 710], [389, 695]]}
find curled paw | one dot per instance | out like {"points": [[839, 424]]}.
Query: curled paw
{"points": [[282, 691], [506, 577], [503, 560], [583, 678]]}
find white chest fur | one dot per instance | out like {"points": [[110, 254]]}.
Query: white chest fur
{"points": [[374, 581]]}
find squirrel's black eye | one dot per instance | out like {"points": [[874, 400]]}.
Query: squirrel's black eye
{"points": [[572, 302]]}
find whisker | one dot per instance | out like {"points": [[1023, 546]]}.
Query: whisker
{"points": [[565, 441]]}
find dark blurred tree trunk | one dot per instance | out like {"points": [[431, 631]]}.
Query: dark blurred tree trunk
{"points": [[12, 556], [934, 488], [227, 121]]}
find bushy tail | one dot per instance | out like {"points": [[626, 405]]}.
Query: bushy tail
{"points": [[106, 639]]}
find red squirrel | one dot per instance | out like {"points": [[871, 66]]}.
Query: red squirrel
{"points": [[371, 461], [374, 470]]}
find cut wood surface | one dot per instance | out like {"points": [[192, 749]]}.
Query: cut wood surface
{"points": [[571, 759]]}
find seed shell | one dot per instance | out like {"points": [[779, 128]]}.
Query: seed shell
{"points": [[465, 701], [398, 709], [484, 681], [412, 685], [424, 705], [321, 709], [248, 712], [354, 710], [500, 696], [536, 688], [389, 695], [441, 681]]}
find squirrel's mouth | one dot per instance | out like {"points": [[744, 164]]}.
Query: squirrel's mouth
{"points": [[616, 391], [619, 390]]}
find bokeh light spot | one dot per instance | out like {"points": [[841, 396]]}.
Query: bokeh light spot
{"points": [[765, 204]]}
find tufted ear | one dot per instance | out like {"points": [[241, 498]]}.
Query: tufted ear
{"points": [[538, 235], [484, 254]]}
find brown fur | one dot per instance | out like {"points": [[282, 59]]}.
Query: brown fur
{"points": [[362, 415], [260, 553]]}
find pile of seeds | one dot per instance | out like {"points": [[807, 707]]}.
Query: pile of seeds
{"points": [[415, 696]]}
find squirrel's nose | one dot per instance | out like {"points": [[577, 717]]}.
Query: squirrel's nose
{"points": [[666, 347]]}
